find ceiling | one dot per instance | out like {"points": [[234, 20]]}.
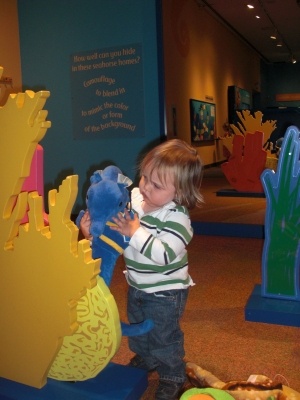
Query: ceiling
{"points": [[282, 16]]}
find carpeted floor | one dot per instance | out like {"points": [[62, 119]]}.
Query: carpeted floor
{"points": [[218, 208], [225, 270]]}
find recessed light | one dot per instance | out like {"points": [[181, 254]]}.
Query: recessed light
{"points": [[257, 16], [250, 6]]}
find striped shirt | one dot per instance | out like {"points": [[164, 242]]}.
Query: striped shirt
{"points": [[156, 258]]}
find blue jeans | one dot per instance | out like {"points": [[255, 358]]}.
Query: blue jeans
{"points": [[163, 347]]}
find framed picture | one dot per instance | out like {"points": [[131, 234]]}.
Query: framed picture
{"points": [[203, 121], [238, 99]]}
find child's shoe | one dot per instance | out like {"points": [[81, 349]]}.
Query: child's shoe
{"points": [[168, 390]]}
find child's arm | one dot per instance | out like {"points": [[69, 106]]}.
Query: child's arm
{"points": [[125, 224], [85, 224], [169, 240]]}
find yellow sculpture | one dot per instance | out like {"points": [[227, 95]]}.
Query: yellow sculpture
{"points": [[251, 123], [85, 353], [57, 316]]}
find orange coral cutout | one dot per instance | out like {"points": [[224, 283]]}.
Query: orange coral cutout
{"points": [[247, 158]]}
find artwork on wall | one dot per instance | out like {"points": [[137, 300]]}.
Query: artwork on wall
{"points": [[203, 121], [238, 99]]}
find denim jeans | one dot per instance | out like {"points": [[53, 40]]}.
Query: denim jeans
{"points": [[163, 347]]}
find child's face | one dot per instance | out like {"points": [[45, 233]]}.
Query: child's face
{"points": [[155, 192]]}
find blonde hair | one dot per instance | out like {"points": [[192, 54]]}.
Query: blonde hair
{"points": [[181, 161]]}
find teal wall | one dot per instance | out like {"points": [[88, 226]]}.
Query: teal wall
{"points": [[50, 32], [279, 78]]}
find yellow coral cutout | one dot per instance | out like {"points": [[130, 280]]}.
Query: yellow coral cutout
{"points": [[84, 354], [251, 124], [44, 271]]}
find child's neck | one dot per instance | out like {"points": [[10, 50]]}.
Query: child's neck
{"points": [[147, 209]]}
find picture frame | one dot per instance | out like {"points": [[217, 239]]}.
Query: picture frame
{"points": [[238, 99], [202, 121]]}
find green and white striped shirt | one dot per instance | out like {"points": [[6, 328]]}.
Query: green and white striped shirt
{"points": [[156, 258]]}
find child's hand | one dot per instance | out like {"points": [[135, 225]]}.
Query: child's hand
{"points": [[85, 224], [125, 224]]}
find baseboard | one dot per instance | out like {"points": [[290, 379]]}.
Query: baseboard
{"points": [[228, 229]]}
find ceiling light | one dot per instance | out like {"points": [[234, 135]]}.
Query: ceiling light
{"points": [[273, 36], [250, 6], [257, 16], [279, 44], [294, 60]]}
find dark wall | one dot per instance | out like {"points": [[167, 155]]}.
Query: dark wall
{"points": [[280, 78]]}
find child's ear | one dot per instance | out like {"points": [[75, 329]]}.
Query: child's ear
{"points": [[177, 197]]}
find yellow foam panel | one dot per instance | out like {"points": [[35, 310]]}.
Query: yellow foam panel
{"points": [[53, 304]]}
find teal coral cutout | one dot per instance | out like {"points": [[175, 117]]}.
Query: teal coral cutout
{"points": [[281, 252]]}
